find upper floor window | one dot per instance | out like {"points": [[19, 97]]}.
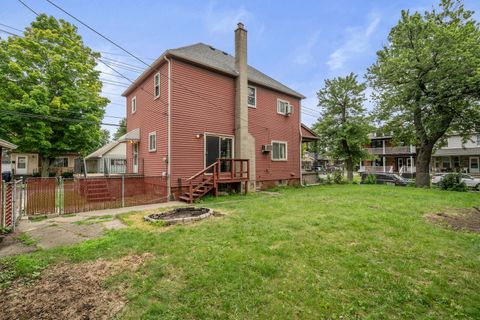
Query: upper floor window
{"points": [[156, 87], [152, 141], [279, 150], [252, 97], [283, 107], [134, 104]]}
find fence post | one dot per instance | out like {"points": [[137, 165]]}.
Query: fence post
{"points": [[2, 209], [62, 196], [123, 190], [14, 203]]}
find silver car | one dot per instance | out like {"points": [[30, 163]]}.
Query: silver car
{"points": [[470, 181]]}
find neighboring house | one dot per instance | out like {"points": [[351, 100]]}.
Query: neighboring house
{"points": [[5, 147], [28, 163], [457, 155], [196, 104], [112, 157], [389, 157]]}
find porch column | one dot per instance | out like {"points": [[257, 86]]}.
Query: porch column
{"points": [[383, 146], [384, 170], [411, 165]]}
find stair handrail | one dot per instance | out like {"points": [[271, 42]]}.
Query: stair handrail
{"points": [[190, 187], [202, 171]]}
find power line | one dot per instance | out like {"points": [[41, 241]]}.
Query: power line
{"points": [[10, 33], [121, 55], [53, 118], [101, 35], [1, 24], [25, 5], [124, 63]]}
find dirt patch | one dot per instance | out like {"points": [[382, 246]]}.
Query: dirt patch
{"points": [[70, 291], [458, 219]]}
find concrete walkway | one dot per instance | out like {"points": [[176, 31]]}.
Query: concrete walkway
{"points": [[69, 229]]}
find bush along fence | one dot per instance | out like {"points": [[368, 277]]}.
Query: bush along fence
{"points": [[12, 204], [63, 196]]}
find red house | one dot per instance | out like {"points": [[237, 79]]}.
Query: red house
{"points": [[203, 118]]}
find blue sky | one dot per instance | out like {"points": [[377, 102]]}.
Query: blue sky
{"points": [[299, 43]]}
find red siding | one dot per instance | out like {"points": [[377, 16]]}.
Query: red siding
{"points": [[203, 101], [151, 115]]}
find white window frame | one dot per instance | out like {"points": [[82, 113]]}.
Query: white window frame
{"points": [[155, 85], [278, 104], [286, 150], [150, 135], [252, 105], [134, 104]]}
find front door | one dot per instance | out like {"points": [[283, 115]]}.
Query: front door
{"points": [[474, 165], [21, 165], [217, 147], [135, 158]]}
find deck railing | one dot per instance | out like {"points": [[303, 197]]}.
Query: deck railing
{"points": [[392, 150]]}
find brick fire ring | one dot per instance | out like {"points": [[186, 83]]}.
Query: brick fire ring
{"points": [[180, 215]]}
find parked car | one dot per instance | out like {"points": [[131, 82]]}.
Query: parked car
{"points": [[470, 181], [386, 178]]}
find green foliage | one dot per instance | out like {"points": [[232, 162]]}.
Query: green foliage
{"points": [[453, 182], [26, 239], [343, 125], [5, 230], [329, 179], [370, 179], [426, 78], [121, 130], [338, 177], [50, 93]]}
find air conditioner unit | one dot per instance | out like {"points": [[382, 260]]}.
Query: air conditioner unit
{"points": [[267, 148], [289, 110]]}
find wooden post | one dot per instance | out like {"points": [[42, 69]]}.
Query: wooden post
{"points": [[190, 189]]}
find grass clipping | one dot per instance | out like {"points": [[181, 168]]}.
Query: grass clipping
{"points": [[69, 291]]}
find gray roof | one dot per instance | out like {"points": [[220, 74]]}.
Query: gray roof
{"points": [[210, 57], [7, 145], [457, 152]]}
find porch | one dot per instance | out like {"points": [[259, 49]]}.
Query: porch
{"points": [[403, 165], [456, 163]]}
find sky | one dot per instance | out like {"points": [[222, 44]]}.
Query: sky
{"points": [[299, 43]]}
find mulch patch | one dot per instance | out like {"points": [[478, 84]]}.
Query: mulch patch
{"points": [[69, 291], [465, 219]]}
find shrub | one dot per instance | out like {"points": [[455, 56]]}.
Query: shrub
{"points": [[338, 177], [370, 179], [453, 182], [329, 179]]}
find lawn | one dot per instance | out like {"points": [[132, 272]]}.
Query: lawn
{"points": [[324, 252]]}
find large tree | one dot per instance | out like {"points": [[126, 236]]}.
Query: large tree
{"points": [[50, 99], [427, 79], [343, 125], [121, 130]]}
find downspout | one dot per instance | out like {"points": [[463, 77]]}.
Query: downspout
{"points": [[300, 131], [169, 168]]}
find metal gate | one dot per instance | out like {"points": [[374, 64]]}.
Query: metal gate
{"points": [[12, 202]]}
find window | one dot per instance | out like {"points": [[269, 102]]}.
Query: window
{"points": [[134, 104], [156, 86], [252, 97], [279, 150], [282, 106], [446, 163], [61, 162], [152, 141]]}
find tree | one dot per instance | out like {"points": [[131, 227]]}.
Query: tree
{"points": [[427, 79], [343, 125], [50, 99], [121, 130]]}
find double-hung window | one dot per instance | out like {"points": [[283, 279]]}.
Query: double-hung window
{"points": [[152, 141], [252, 97], [282, 106], [134, 104], [156, 85], [279, 151]]}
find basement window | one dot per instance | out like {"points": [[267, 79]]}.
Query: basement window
{"points": [[156, 86], [134, 104], [252, 97], [152, 141], [279, 151]]}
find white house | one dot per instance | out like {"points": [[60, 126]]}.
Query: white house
{"points": [[458, 155]]}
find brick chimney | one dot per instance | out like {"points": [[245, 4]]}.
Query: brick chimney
{"points": [[244, 141]]}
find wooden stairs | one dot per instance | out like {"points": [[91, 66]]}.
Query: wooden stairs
{"points": [[208, 179], [97, 190]]}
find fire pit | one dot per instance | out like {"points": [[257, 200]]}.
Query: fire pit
{"points": [[180, 215]]}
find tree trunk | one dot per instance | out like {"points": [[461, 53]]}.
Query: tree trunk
{"points": [[45, 166], [424, 155], [349, 170]]}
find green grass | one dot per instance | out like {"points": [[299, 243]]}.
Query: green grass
{"points": [[325, 252], [95, 219], [26, 239]]}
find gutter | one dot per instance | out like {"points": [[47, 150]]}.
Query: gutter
{"points": [[169, 105]]}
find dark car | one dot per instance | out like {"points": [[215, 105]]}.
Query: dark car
{"points": [[7, 176], [386, 178]]}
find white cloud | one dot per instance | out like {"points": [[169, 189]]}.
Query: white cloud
{"points": [[357, 42], [304, 54], [218, 20]]}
